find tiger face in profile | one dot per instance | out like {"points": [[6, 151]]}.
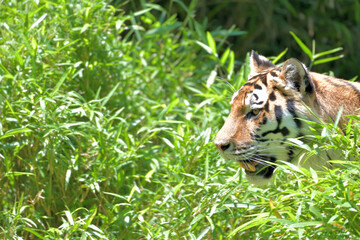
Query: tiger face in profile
{"points": [[267, 109]]}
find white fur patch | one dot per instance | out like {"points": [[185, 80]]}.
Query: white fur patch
{"points": [[234, 96], [248, 100], [258, 98]]}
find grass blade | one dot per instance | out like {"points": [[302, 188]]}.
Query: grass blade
{"points": [[325, 60], [302, 45]]}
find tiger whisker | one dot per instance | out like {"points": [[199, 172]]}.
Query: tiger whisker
{"points": [[228, 83]]}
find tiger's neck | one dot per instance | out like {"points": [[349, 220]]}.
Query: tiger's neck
{"points": [[332, 93]]}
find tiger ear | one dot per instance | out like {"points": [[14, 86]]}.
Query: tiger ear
{"points": [[259, 63], [296, 75]]}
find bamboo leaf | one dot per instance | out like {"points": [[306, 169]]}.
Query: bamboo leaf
{"points": [[224, 56], [230, 67], [252, 223], [38, 21], [325, 60], [302, 45], [14, 132], [205, 47], [278, 57], [211, 43], [327, 52], [305, 224], [60, 82], [338, 116]]}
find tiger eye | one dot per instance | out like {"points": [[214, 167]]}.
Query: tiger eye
{"points": [[255, 111]]}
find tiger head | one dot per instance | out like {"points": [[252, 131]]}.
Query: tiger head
{"points": [[264, 113]]}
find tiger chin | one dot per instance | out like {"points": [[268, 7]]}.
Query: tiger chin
{"points": [[267, 109]]}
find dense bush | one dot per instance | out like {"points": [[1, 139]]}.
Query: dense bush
{"points": [[108, 111]]}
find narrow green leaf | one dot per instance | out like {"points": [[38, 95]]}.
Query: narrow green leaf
{"points": [[90, 218], [278, 57], [19, 58], [207, 168], [327, 52], [230, 67], [142, 12], [107, 98], [280, 220], [2, 67], [252, 223], [96, 230], [203, 233], [299, 143], [224, 56], [14, 132], [34, 232], [211, 42], [85, 27], [168, 142], [18, 174], [316, 211], [205, 47], [66, 45], [67, 178], [305, 224], [69, 217], [38, 21], [330, 59], [196, 219], [353, 79], [115, 195], [149, 174], [298, 212], [60, 82], [226, 33], [162, 29], [338, 116], [302, 45], [212, 226], [211, 78]]}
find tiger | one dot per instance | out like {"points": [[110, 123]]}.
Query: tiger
{"points": [[270, 108]]}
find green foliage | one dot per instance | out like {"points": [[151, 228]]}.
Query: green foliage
{"points": [[108, 112], [314, 56], [332, 24]]}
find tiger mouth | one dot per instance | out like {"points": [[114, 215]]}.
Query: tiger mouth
{"points": [[262, 168], [257, 168], [249, 166]]}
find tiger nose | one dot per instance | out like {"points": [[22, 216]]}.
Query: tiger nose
{"points": [[223, 146]]}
